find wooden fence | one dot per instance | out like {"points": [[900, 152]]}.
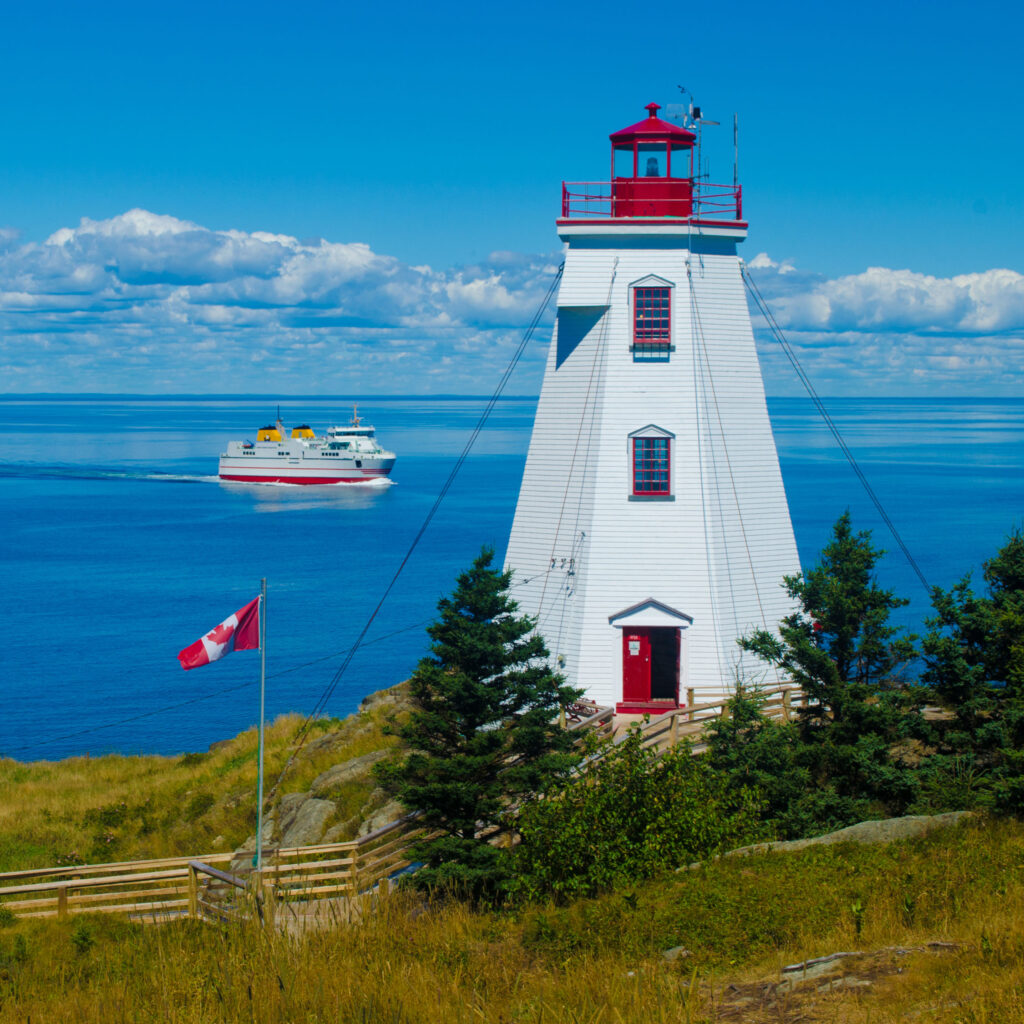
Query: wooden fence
{"points": [[201, 887], [204, 887], [689, 723]]}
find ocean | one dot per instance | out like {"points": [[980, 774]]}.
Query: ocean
{"points": [[120, 546]]}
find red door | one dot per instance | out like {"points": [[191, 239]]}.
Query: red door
{"points": [[650, 667], [636, 665]]}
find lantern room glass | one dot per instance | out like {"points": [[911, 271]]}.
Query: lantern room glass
{"points": [[652, 160], [623, 161], [681, 165]]}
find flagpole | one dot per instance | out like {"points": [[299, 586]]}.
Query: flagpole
{"points": [[263, 680]]}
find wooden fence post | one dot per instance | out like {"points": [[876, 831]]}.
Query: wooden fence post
{"points": [[674, 736], [193, 893], [689, 703], [787, 702], [62, 902], [269, 899]]}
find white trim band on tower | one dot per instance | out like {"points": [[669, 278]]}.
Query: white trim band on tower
{"points": [[569, 229]]}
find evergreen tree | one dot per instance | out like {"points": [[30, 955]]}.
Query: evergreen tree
{"points": [[974, 658], [840, 649], [756, 752], [483, 731]]}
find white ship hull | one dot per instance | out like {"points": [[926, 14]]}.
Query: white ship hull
{"points": [[344, 455], [303, 471]]}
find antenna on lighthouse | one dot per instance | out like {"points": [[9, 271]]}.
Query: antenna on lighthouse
{"points": [[687, 116], [735, 150]]}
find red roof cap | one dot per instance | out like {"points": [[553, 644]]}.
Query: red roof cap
{"points": [[653, 127]]}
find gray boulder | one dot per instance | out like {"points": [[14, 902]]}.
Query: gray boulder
{"points": [[390, 812], [307, 825], [888, 830], [288, 808], [358, 767]]}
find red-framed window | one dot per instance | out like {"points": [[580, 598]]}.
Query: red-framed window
{"points": [[651, 466], [652, 316]]}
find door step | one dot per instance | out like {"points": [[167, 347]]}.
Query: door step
{"points": [[647, 707]]}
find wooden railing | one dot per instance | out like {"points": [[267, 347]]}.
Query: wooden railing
{"points": [[217, 895], [138, 888], [689, 723], [200, 887]]}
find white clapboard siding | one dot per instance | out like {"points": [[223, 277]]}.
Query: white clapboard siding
{"points": [[580, 548]]}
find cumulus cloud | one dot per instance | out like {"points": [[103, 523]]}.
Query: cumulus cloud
{"points": [[895, 331], [152, 303], [145, 301], [896, 300]]}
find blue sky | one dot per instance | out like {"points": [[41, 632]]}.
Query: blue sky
{"points": [[371, 188]]}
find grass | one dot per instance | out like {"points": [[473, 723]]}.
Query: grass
{"points": [[102, 809], [596, 960]]}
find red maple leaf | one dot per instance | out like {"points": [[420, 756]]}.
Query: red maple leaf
{"points": [[220, 634]]}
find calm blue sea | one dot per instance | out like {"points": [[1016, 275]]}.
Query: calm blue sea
{"points": [[119, 545]]}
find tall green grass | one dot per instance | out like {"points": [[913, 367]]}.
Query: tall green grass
{"points": [[596, 960], [112, 808]]}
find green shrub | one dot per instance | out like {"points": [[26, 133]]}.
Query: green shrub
{"points": [[199, 805], [109, 815], [82, 937], [631, 815]]}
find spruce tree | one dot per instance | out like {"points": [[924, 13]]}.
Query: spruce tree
{"points": [[483, 731], [839, 648], [974, 664]]}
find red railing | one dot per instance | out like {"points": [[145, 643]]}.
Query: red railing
{"points": [[582, 200]]}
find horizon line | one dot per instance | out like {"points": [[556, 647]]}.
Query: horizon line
{"points": [[273, 397]]}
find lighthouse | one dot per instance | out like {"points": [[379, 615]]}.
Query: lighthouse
{"points": [[652, 529]]}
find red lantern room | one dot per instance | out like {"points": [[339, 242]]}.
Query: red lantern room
{"points": [[652, 180], [652, 169]]}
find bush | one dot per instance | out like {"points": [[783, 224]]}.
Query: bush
{"points": [[632, 814], [82, 937], [199, 805]]}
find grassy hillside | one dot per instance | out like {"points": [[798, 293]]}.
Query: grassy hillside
{"points": [[738, 922], [94, 810]]}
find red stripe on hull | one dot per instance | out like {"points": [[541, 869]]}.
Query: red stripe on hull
{"points": [[299, 480]]}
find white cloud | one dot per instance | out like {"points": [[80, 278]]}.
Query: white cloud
{"points": [[149, 302], [762, 261], [898, 300], [145, 301], [895, 331]]}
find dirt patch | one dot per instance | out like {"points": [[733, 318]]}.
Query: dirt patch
{"points": [[808, 993]]}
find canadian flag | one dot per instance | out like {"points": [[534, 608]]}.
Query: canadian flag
{"points": [[238, 632]]}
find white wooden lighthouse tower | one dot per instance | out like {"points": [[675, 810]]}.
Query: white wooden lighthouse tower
{"points": [[652, 528]]}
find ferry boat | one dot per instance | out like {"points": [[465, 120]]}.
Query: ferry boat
{"points": [[344, 455]]}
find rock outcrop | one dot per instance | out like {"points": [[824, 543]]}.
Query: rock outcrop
{"points": [[345, 790], [888, 830], [337, 774]]}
